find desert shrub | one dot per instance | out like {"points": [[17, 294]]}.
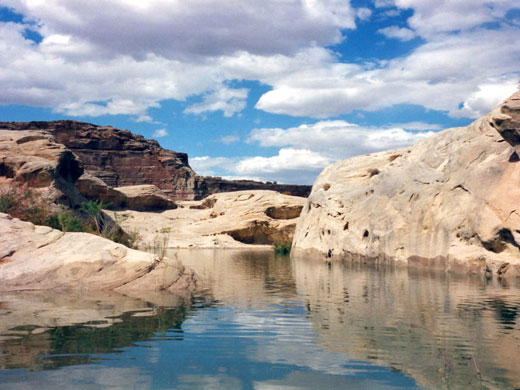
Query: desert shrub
{"points": [[27, 204], [23, 202], [159, 245], [282, 248]]}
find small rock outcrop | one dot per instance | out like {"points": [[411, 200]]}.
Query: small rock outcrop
{"points": [[121, 158], [226, 220], [40, 258], [145, 198], [452, 199]]}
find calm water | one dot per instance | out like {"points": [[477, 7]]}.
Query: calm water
{"points": [[267, 322]]}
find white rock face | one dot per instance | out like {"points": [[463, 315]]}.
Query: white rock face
{"points": [[225, 220], [39, 258], [451, 199]]}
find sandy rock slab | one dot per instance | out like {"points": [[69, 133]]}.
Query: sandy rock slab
{"points": [[227, 220], [451, 200], [40, 258]]}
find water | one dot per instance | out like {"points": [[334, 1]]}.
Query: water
{"points": [[267, 322]]}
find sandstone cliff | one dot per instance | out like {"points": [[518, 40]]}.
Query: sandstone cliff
{"points": [[121, 158], [450, 199]]}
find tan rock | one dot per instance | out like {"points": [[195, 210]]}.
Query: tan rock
{"points": [[34, 156], [450, 199], [226, 220], [96, 189], [146, 198], [39, 258]]}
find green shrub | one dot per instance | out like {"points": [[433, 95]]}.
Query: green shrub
{"points": [[282, 248], [27, 204]]}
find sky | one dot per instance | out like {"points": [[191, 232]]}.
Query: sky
{"points": [[272, 90]]}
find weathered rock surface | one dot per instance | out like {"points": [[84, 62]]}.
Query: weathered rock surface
{"points": [[40, 258], [34, 158], [145, 198], [226, 220], [450, 199], [121, 158]]}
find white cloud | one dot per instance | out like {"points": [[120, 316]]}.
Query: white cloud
{"points": [[418, 126], [179, 29], [296, 166], [229, 101], [431, 18], [439, 75], [212, 166], [337, 139], [229, 139], [401, 33], [124, 57], [488, 95], [384, 3], [363, 13], [307, 149], [160, 133]]}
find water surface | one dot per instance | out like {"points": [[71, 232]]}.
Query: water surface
{"points": [[267, 322]]}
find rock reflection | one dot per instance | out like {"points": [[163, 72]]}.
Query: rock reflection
{"points": [[445, 331], [245, 277], [46, 330]]}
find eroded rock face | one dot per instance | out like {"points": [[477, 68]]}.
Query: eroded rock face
{"points": [[35, 157], [145, 198], [94, 188], [227, 220], [40, 258], [450, 199], [121, 158]]}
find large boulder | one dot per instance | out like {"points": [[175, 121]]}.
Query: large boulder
{"points": [[35, 157], [94, 188], [226, 220], [452, 199], [145, 198], [40, 258]]}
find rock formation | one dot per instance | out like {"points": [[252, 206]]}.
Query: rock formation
{"points": [[40, 258], [226, 220], [450, 199], [121, 158]]}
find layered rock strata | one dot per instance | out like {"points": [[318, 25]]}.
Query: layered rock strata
{"points": [[40, 258], [121, 158], [450, 199]]}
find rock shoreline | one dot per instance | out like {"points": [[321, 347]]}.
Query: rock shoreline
{"points": [[36, 257]]}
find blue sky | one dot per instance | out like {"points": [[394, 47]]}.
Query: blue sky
{"points": [[271, 89]]}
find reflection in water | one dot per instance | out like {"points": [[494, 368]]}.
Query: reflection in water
{"points": [[268, 322], [46, 330]]}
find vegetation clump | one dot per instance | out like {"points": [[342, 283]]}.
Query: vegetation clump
{"points": [[159, 246], [282, 248], [27, 203]]}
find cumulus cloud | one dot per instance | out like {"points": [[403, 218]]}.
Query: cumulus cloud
{"points": [[401, 33], [160, 133], [431, 18], [439, 75], [488, 95], [229, 101], [124, 57], [212, 166], [338, 139], [184, 30], [307, 149], [289, 166]]}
